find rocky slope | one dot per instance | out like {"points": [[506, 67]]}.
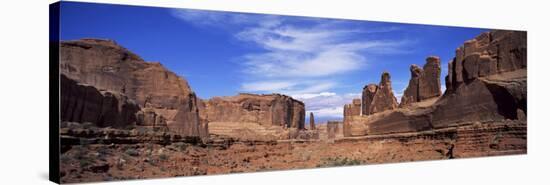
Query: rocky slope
{"points": [[106, 65]]}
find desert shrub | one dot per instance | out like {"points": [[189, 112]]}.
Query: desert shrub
{"points": [[85, 162], [180, 145], [163, 157], [103, 150], [87, 125], [132, 152], [337, 161]]}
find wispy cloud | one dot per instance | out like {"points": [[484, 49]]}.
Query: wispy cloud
{"points": [[292, 51], [327, 104], [301, 57], [204, 18]]}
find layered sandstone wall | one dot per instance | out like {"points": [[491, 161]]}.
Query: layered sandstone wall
{"points": [[254, 116], [334, 130], [85, 103], [487, 80], [108, 66], [266, 110], [488, 54]]}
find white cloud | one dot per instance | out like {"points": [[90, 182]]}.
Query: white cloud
{"points": [[300, 57], [268, 86], [308, 52], [330, 112], [310, 95], [215, 18], [288, 87], [326, 104], [398, 96]]}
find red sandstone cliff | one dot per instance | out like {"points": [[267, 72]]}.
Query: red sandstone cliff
{"points": [[106, 65], [254, 116]]}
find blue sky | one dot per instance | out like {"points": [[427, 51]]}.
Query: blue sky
{"points": [[323, 62]]}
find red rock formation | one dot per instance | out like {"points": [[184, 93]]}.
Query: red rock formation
{"points": [[311, 121], [353, 109], [84, 103], [255, 114], [488, 54], [350, 110], [495, 96], [368, 95], [383, 98], [267, 110], [106, 65], [374, 99], [148, 117], [333, 129], [424, 83], [487, 80]]}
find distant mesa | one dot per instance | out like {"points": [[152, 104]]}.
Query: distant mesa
{"points": [[255, 117]]}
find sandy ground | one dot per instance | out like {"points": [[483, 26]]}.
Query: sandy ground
{"points": [[106, 162]]}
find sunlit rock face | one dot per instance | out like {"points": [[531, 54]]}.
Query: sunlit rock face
{"points": [[254, 116], [106, 65], [424, 83], [487, 83]]}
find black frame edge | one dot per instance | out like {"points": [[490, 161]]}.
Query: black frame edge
{"points": [[54, 149]]}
